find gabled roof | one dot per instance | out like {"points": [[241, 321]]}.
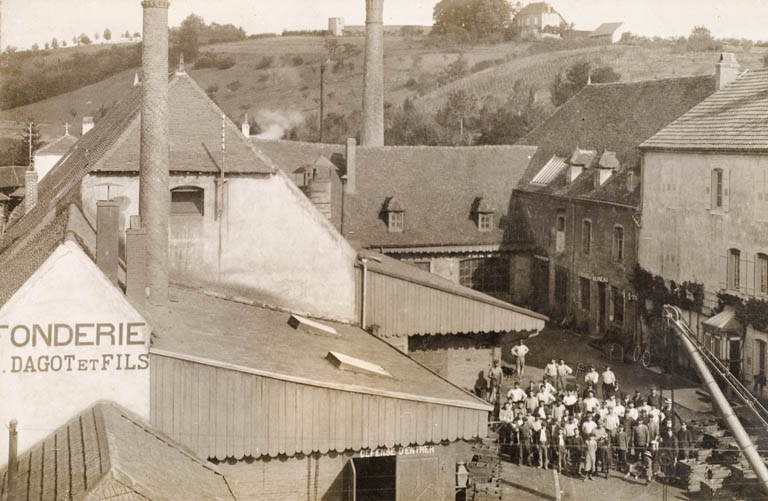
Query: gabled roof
{"points": [[734, 118], [58, 147], [536, 8], [202, 327], [437, 185], [105, 449], [12, 176], [606, 29], [616, 117]]}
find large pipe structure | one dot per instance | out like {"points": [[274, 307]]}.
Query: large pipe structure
{"points": [[373, 80], [748, 448]]}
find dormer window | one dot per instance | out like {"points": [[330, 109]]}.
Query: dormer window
{"points": [[483, 213], [395, 215]]}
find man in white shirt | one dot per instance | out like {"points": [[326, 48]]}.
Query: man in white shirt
{"points": [[563, 371], [620, 409], [516, 394], [590, 403], [588, 427], [550, 371], [591, 378], [611, 421], [609, 382], [520, 351]]}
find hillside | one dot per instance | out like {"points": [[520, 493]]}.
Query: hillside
{"points": [[277, 79]]}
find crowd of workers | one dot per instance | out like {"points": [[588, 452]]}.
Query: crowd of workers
{"points": [[564, 424]]}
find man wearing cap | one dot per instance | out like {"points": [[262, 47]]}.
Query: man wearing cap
{"points": [[520, 351], [684, 440], [641, 438], [654, 399], [609, 382]]}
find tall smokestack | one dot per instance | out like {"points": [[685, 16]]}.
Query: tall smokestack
{"points": [[154, 196], [373, 85]]}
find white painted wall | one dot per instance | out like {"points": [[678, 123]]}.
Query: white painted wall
{"points": [[44, 163], [70, 290]]}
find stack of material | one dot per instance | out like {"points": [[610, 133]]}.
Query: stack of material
{"points": [[485, 471], [742, 472], [703, 454], [693, 473], [715, 477]]}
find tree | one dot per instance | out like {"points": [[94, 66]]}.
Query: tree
{"points": [[54, 43], [137, 35], [63, 43], [35, 47], [96, 36], [409, 126], [47, 46], [186, 39], [83, 39], [701, 40], [477, 19], [75, 41], [107, 34], [575, 78], [457, 69], [127, 34], [457, 117]]}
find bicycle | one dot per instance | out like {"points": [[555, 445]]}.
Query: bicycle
{"points": [[642, 354]]}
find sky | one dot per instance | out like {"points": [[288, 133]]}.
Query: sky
{"points": [[25, 22]]}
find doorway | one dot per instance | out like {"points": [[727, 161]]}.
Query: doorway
{"points": [[734, 357], [540, 275], [601, 307], [759, 357], [375, 478]]}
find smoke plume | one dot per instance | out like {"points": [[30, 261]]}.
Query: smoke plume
{"points": [[274, 123]]}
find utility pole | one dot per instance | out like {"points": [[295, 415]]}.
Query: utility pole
{"points": [[29, 139], [323, 67]]}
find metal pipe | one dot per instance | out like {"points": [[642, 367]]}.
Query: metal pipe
{"points": [[364, 261], [746, 445]]}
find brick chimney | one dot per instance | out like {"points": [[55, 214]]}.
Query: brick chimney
{"points": [[726, 69], [107, 237], [136, 261], [245, 127], [373, 83], [30, 190], [87, 124], [154, 195], [351, 187]]}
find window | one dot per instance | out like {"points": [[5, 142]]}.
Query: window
{"points": [[618, 244], [560, 233], [586, 236], [485, 274], [561, 222], [188, 200], [762, 273], [395, 221], [717, 188], [584, 287], [734, 258], [618, 305], [484, 221], [423, 265]]}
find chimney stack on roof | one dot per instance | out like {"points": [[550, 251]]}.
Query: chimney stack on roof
{"points": [[726, 69], [30, 190], [245, 127], [373, 83], [350, 187], [13, 454], [87, 124], [154, 195], [108, 238]]}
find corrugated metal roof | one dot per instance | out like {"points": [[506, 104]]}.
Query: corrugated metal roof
{"points": [[103, 443], [550, 170], [725, 321], [735, 118], [404, 300]]}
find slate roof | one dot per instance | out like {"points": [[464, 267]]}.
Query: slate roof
{"points": [[106, 444], [198, 324], [12, 176], [615, 117], [58, 147], [606, 29], [733, 119], [436, 186]]}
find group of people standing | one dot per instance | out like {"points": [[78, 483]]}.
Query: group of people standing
{"points": [[554, 424]]}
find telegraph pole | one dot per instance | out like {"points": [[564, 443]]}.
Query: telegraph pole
{"points": [[29, 140]]}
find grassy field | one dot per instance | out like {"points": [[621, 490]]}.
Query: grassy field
{"points": [[289, 84]]}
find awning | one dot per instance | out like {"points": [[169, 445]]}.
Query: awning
{"points": [[723, 322]]}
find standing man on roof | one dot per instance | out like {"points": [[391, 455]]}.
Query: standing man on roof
{"points": [[519, 351]]}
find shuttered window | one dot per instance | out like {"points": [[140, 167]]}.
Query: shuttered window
{"points": [[586, 236], [717, 188], [584, 287], [733, 269], [618, 244], [761, 278]]}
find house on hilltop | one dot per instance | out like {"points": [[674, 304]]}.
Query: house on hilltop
{"points": [[538, 20]]}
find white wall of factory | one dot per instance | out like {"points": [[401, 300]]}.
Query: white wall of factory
{"points": [[270, 236], [69, 338]]}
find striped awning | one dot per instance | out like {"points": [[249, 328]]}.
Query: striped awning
{"points": [[725, 321]]}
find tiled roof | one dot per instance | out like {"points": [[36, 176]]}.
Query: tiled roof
{"points": [[194, 128], [606, 29], [58, 147], [107, 449], [12, 176], [199, 325], [616, 117], [535, 8], [435, 185], [733, 119]]}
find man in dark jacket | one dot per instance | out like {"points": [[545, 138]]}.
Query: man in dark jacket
{"points": [[654, 399], [622, 444], [641, 438], [684, 441], [526, 436]]}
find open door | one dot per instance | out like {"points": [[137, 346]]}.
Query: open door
{"points": [[374, 478], [417, 478]]}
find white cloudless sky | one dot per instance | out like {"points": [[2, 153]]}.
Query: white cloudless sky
{"points": [[25, 22]]}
